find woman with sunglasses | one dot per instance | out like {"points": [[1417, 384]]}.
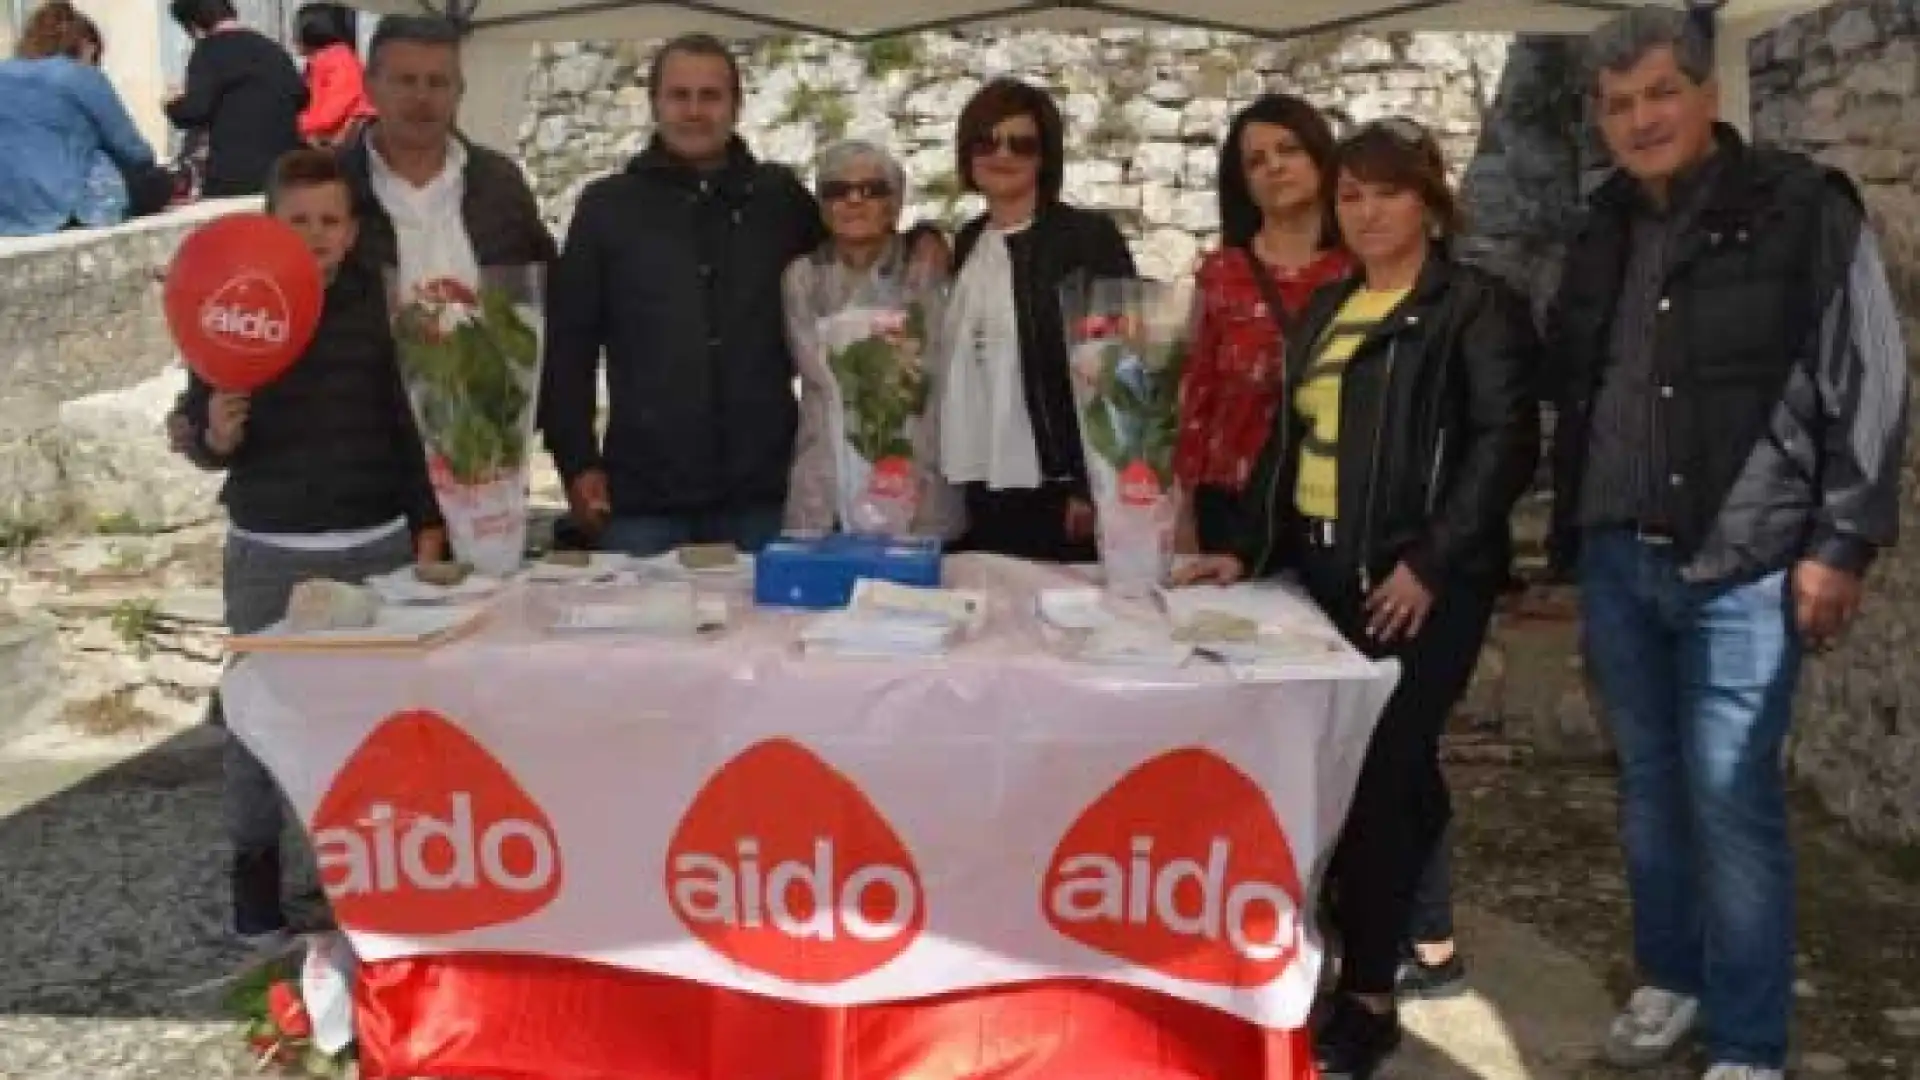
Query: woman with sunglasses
{"points": [[1278, 245], [1387, 486], [1010, 436], [864, 260]]}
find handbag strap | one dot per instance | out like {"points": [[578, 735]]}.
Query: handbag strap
{"points": [[1283, 321]]}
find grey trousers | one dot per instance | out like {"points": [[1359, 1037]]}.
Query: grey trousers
{"points": [[258, 579]]}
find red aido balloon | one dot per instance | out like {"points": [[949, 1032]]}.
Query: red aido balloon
{"points": [[243, 299]]}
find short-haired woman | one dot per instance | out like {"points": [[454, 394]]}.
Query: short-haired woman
{"points": [[1009, 433], [1278, 245], [242, 91], [865, 260], [60, 119], [1387, 486]]}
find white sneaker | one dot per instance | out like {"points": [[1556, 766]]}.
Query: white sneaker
{"points": [[1743, 1072], [1654, 1022]]}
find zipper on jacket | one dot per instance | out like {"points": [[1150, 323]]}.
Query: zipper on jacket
{"points": [[1365, 554], [1433, 474], [1269, 518]]}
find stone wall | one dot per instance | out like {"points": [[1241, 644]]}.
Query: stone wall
{"points": [[87, 372], [1842, 84], [80, 311], [1145, 110]]}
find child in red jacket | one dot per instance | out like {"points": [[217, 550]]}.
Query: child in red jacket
{"points": [[337, 102]]}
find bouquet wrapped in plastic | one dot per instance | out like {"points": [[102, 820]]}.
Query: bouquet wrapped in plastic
{"points": [[1126, 347], [881, 388], [470, 358]]}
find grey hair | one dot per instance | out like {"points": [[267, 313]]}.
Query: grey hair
{"points": [[1626, 40], [836, 159]]}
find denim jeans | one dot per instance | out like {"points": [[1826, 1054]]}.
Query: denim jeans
{"points": [[1696, 680], [748, 529]]}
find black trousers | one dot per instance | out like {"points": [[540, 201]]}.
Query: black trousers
{"points": [[1382, 863], [1217, 518]]}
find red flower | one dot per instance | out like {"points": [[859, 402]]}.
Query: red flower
{"points": [[287, 1011], [448, 290]]}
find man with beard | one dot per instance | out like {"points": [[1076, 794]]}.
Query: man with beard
{"points": [[673, 268]]}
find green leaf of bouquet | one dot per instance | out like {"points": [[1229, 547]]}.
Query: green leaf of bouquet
{"points": [[1097, 423]]}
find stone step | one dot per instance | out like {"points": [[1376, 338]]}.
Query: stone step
{"points": [[29, 671]]}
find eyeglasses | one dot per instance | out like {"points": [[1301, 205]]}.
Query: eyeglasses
{"points": [[1024, 146], [841, 190]]}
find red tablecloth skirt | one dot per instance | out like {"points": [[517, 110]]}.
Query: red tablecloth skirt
{"points": [[533, 1018]]}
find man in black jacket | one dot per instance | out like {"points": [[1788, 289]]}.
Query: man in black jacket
{"points": [[673, 268], [1734, 412]]}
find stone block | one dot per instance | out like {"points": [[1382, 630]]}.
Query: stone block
{"points": [[116, 464], [29, 669]]}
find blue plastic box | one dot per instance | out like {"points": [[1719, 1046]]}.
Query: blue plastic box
{"points": [[818, 574]]}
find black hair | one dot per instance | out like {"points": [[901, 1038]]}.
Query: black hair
{"points": [[1240, 216], [319, 25], [694, 45], [1002, 99], [411, 30], [201, 15]]}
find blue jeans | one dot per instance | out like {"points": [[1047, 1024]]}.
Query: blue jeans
{"points": [[1697, 683], [748, 529]]}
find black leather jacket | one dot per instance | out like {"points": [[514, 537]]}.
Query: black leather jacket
{"points": [[1439, 435]]}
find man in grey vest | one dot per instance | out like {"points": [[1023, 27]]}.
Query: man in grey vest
{"points": [[1734, 409]]}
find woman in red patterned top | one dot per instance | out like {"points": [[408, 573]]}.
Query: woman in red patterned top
{"points": [[1279, 244]]}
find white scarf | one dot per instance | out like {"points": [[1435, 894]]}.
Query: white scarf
{"points": [[986, 435]]}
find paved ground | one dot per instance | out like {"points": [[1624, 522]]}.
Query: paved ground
{"points": [[109, 906]]}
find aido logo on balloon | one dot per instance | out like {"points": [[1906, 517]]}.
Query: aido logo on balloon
{"points": [[781, 864], [424, 832], [1181, 867], [243, 300]]}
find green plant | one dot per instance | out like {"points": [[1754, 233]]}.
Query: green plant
{"points": [[884, 56], [944, 188], [824, 109], [469, 362], [883, 382], [1112, 129], [778, 49], [119, 523], [113, 714], [135, 622], [17, 536]]}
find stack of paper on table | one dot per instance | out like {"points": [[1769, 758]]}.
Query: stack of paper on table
{"points": [[879, 634], [1095, 633], [663, 608], [1288, 630]]}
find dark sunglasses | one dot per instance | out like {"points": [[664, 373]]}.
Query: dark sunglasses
{"points": [[838, 190], [1025, 146]]}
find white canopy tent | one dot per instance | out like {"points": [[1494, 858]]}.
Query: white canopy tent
{"points": [[500, 30]]}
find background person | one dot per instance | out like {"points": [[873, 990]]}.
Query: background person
{"points": [[1022, 471], [337, 102], [1279, 243], [865, 260], [243, 91], [59, 119], [1415, 431]]}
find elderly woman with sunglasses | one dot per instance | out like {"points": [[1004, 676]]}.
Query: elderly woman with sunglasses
{"points": [[865, 260], [1010, 435], [1386, 486]]}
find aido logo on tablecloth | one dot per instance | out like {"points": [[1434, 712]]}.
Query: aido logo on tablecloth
{"points": [[1180, 867], [783, 865], [425, 832]]}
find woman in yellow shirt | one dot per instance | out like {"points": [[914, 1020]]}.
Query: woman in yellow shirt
{"points": [[1387, 489]]}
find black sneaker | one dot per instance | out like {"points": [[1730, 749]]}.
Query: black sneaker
{"points": [[1354, 1041], [255, 884], [1431, 982]]}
